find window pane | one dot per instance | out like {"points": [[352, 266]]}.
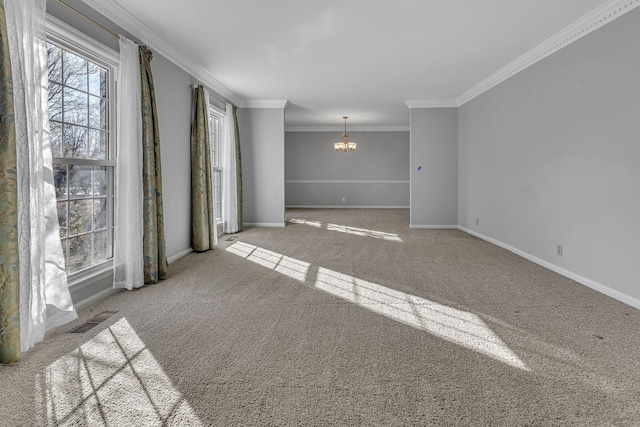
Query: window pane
{"points": [[79, 252], [216, 132], [94, 112], [55, 101], [54, 64], [65, 247], [100, 181], [76, 107], [217, 193], [74, 71], [103, 83], [60, 180], [62, 218], [80, 216], [97, 112], [97, 145], [99, 213], [75, 141], [55, 138], [100, 246], [80, 181], [97, 80]]}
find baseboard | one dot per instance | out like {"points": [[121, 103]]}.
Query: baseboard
{"points": [[264, 224], [95, 298], [179, 255], [435, 227], [343, 207], [603, 289]]}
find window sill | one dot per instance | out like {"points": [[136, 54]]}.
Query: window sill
{"points": [[87, 277]]}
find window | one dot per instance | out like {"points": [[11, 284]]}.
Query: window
{"points": [[216, 120], [80, 117]]}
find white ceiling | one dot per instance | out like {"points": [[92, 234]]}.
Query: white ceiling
{"points": [[361, 58]]}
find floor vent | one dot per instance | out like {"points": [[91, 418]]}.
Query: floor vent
{"points": [[93, 322], [231, 239]]}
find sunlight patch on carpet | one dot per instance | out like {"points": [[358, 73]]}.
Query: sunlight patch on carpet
{"points": [[316, 224], [364, 232], [111, 380], [456, 326], [392, 237], [288, 266]]}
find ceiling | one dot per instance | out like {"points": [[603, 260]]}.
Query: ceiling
{"points": [[361, 58]]}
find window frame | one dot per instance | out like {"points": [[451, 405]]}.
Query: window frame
{"points": [[78, 43], [220, 115]]}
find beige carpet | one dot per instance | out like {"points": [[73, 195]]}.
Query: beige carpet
{"points": [[343, 317]]}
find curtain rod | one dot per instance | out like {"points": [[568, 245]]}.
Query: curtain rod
{"points": [[89, 19], [194, 86]]}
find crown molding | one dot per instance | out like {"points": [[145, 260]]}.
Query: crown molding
{"points": [[351, 128], [125, 20], [592, 21], [597, 18], [264, 103], [431, 103]]}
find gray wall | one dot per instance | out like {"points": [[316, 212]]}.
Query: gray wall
{"points": [[434, 148], [173, 100], [552, 156], [375, 175], [262, 149]]}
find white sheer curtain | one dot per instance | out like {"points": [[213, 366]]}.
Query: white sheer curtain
{"points": [[44, 294], [228, 163], [127, 253]]}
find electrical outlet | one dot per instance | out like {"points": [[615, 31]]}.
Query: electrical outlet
{"points": [[344, 199], [477, 221], [559, 249]]}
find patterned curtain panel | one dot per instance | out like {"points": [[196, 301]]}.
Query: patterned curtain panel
{"points": [[154, 244], [203, 230], [9, 263], [238, 167]]}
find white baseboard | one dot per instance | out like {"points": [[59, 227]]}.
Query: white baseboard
{"points": [[179, 255], [343, 207], [435, 227], [603, 289], [264, 224]]}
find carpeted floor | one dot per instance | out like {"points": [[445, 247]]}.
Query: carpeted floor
{"points": [[343, 317]]}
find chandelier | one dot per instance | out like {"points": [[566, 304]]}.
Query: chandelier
{"points": [[345, 145]]}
